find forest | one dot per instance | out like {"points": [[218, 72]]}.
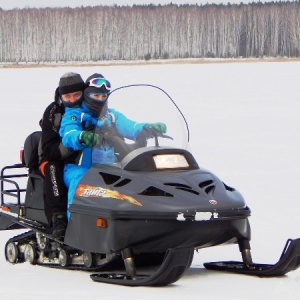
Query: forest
{"points": [[144, 32]]}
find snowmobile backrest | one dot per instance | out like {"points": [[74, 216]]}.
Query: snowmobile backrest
{"points": [[31, 145]]}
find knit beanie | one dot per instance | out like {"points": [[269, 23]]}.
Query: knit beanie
{"points": [[70, 82]]}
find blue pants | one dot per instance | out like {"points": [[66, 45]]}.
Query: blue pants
{"points": [[72, 176]]}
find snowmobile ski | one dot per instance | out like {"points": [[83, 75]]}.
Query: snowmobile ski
{"points": [[288, 261], [175, 264]]}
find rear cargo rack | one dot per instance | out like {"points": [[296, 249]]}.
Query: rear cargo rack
{"points": [[10, 187]]}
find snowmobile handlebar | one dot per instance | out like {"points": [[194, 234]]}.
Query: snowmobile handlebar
{"points": [[122, 148]]}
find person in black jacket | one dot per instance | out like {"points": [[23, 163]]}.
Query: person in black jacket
{"points": [[53, 153]]}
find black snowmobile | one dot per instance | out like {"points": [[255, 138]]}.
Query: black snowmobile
{"points": [[138, 221]]}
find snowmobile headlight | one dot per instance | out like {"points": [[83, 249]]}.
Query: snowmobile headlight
{"points": [[170, 161]]}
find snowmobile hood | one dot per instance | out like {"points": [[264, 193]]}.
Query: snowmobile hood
{"points": [[155, 178]]}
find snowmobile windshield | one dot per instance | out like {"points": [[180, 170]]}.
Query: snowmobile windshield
{"points": [[138, 116]]}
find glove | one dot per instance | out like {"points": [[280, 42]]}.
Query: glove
{"points": [[150, 131], [89, 138], [160, 127], [105, 123]]}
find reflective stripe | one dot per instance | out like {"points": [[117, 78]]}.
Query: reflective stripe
{"points": [[42, 167]]}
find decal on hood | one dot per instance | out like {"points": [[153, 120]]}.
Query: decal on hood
{"points": [[84, 190]]}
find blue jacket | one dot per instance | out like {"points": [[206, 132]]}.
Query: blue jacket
{"points": [[76, 120]]}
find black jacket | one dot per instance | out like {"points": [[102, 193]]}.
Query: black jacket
{"points": [[51, 146]]}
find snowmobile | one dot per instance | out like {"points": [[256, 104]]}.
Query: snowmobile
{"points": [[138, 221]]}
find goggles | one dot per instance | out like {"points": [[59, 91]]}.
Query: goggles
{"points": [[99, 82]]}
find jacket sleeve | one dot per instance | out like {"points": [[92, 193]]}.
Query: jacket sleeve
{"points": [[52, 149], [126, 127], [71, 129]]}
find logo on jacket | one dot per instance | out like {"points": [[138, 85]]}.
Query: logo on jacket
{"points": [[73, 118], [84, 190]]}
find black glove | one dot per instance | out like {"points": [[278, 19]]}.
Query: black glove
{"points": [[89, 138]]}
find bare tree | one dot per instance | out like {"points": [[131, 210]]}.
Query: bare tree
{"points": [[149, 31]]}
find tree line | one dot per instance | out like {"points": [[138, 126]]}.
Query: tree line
{"points": [[150, 32]]}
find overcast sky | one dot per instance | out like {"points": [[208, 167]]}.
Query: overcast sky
{"points": [[10, 4]]}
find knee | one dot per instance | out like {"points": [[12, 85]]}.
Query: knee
{"points": [[73, 174]]}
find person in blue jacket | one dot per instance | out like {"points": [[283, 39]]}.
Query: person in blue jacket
{"points": [[78, 131]]}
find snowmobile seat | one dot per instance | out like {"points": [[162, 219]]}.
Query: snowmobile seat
{"points": [[31, 154], [34, 199]]}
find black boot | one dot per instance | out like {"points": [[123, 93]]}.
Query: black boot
{"points": [[59, 223]]}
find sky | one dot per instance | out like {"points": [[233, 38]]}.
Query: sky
{"points": [[244, 125], [10, 4]]}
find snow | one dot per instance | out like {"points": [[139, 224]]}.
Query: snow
{"points": [[244, 125]]}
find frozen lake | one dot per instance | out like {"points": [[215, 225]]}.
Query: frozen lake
{"points": [[244, 125]]}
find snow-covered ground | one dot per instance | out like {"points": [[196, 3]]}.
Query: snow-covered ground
{"points": [[244, 124]]}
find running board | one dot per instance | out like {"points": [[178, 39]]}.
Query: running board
{"points": [[288, 261], [174, 265]]}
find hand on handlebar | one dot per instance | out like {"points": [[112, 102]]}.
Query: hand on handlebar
{"points": [[151, 130], [159, 127]]}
